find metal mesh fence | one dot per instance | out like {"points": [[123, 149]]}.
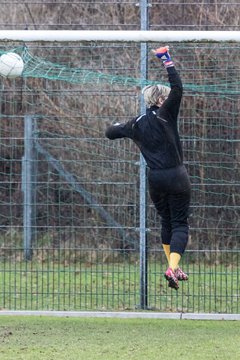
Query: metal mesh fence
{"points": [[84, 200], [119, 15]]}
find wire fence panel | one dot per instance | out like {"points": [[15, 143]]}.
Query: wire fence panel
{"points": [[83, 191]]}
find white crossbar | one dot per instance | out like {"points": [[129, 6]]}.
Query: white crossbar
{"points": [[123, 36]]}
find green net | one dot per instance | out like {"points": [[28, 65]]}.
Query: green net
{"points": [[216, 80], [222, 83]]}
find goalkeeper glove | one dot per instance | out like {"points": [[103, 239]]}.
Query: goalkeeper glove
{"points": [[163, 54]]}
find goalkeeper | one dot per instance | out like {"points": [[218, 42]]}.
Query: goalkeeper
{"points": [[156, 135]]}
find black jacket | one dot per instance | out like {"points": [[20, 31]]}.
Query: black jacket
{"points": [[156, 132]]}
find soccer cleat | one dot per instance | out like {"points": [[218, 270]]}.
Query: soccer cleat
{"points": [[171, 278], [181, 275]]}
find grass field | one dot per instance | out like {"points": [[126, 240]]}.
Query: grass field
{"points": [[111, 339]]}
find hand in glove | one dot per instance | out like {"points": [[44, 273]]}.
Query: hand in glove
{"points": [[163, 54]]}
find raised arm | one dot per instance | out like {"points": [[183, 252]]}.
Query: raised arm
{"points": [[173, 101]]}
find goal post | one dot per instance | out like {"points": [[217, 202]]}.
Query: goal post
{"points": [[120, 36]]}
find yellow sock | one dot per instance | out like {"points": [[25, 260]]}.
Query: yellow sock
{"points": [[174, 260], [166, 249]]}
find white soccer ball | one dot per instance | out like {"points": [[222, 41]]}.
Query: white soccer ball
{"points": [[11, 65]]}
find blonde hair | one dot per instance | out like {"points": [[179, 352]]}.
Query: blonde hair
{"points": [[152, 93]]}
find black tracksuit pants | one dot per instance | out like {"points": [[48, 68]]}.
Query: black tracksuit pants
{"points": [[170, 192]]}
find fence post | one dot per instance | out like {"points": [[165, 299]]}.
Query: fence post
{"points": [[143, 197], [28, 187]]}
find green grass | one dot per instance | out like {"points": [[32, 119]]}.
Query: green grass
{"points": [[55, 286], [111, 339]]}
